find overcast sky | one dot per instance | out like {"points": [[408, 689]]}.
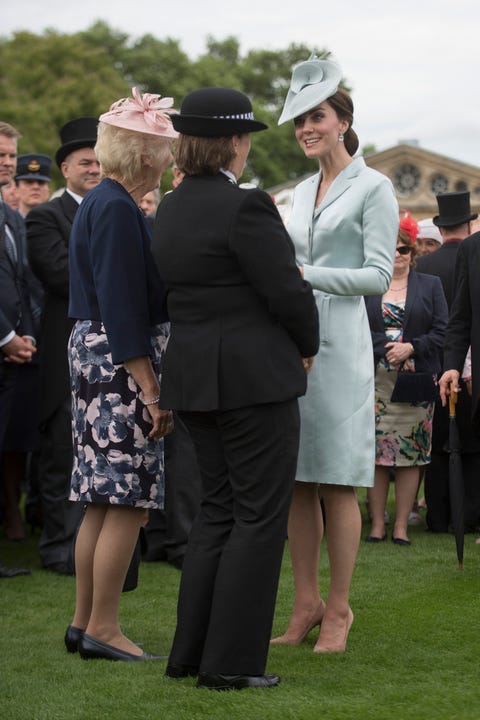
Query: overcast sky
{"points": [[414, 65]]}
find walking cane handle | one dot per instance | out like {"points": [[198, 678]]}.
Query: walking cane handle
{"points": [[452, 400]]}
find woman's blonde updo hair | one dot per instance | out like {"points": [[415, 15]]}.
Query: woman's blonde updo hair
{"points": [[342, 103], [122, 153]]}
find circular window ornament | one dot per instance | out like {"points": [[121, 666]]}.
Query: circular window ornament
{"points": [[461, 186], [406, 179], [439, 184]]}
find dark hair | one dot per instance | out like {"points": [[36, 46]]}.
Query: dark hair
{"points": [[203, 155], [405, 239], [342, 103]]}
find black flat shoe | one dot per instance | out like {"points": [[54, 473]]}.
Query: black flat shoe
{"points": [[400, 541], [72, 638], [236, 682], [9, 572], [373, 539], [92, 649], [179, 672]]}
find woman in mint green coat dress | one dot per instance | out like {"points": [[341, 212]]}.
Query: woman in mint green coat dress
{"points": [[344, 224]]}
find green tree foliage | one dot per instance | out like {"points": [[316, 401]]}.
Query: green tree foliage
{"points": [[48, 79]]}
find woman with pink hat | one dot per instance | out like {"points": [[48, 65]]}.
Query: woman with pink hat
{"points": [[117, 299]]}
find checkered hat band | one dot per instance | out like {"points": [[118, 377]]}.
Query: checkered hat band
{"points": [[240, 116]]}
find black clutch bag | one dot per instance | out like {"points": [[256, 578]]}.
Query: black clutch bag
{"points": [[414, 387]]}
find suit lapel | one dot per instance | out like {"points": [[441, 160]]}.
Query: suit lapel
{"points": [[341, 183], [412, 292], [69, 206]]}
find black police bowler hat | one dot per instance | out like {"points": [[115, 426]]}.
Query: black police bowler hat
{"points": [[34, 166], [454, 209], [76, 134], [216, 112]]}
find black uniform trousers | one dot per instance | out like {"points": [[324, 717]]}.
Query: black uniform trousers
{"points": [[247, 459]]}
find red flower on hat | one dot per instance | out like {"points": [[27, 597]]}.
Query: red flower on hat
{"points": [[409, 225]]}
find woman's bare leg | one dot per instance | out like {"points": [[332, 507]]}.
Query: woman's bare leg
{"points": [[377, 501], [406, 486], [114, 543], [343, 528], [305, 531]]}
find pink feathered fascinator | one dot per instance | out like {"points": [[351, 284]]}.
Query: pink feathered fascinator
{"points": [[409, 225], [142, 113]]}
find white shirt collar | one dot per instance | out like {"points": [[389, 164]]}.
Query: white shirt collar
{"points": [[230, 175]]}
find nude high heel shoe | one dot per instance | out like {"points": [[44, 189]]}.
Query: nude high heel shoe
{"points": [[295, 635], [336, 641]]}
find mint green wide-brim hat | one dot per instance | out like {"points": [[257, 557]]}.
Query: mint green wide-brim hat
{"points": [[313, 81]]}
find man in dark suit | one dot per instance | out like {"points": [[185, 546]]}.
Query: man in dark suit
{"points": [[48, 232], [464, 328], [17, 340], [453, 220]]}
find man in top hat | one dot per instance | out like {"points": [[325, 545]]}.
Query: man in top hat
{"points": [[32, 179], [453, 222], [48, 232]]}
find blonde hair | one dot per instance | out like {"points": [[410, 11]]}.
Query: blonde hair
{"points": [[122, 153]]}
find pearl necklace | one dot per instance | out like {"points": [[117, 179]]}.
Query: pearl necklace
{"points": [[398, 289]]}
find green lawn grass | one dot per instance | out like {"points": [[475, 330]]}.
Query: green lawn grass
{"points": [[412, 651]]}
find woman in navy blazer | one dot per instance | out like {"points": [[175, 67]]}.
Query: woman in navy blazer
{"points": [[408, 326], [115, 348]]}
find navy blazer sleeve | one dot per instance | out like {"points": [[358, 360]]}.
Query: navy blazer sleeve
{"points": [[113, 277], [426, 317]]}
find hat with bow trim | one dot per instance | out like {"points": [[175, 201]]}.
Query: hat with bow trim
{"points": [[454, 209], [34, 166], [147, 113], [216, 112], [313, 81], [76, 134]]}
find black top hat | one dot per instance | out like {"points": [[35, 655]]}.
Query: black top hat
{"points": [[76, 134], [216, 112], [454, 209], [33, 166]]}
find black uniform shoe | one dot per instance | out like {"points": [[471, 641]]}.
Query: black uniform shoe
{"points": [[236, 682]]}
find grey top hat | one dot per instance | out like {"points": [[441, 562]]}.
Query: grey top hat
{"points": [[454, 209], [33, 166], [313, 81]]}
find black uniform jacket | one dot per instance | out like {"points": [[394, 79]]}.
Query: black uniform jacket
{"points": [[242, 316]]}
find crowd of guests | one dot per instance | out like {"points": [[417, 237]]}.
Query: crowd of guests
{"points": [[201, 376]]}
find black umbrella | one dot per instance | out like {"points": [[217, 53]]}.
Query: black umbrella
{"points": [[455, 479]]}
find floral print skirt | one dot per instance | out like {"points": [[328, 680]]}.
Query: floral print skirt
{"points": [[114, 460], [403, 431]]}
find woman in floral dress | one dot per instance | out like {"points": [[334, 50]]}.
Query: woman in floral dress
{"points": [[408, 326], [117, 299]]}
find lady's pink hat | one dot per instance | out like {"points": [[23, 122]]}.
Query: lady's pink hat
{"points": [[142, 113]]}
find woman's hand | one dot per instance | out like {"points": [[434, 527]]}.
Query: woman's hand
{"points": [[307, 364], [162, 421], [398, 352]]}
